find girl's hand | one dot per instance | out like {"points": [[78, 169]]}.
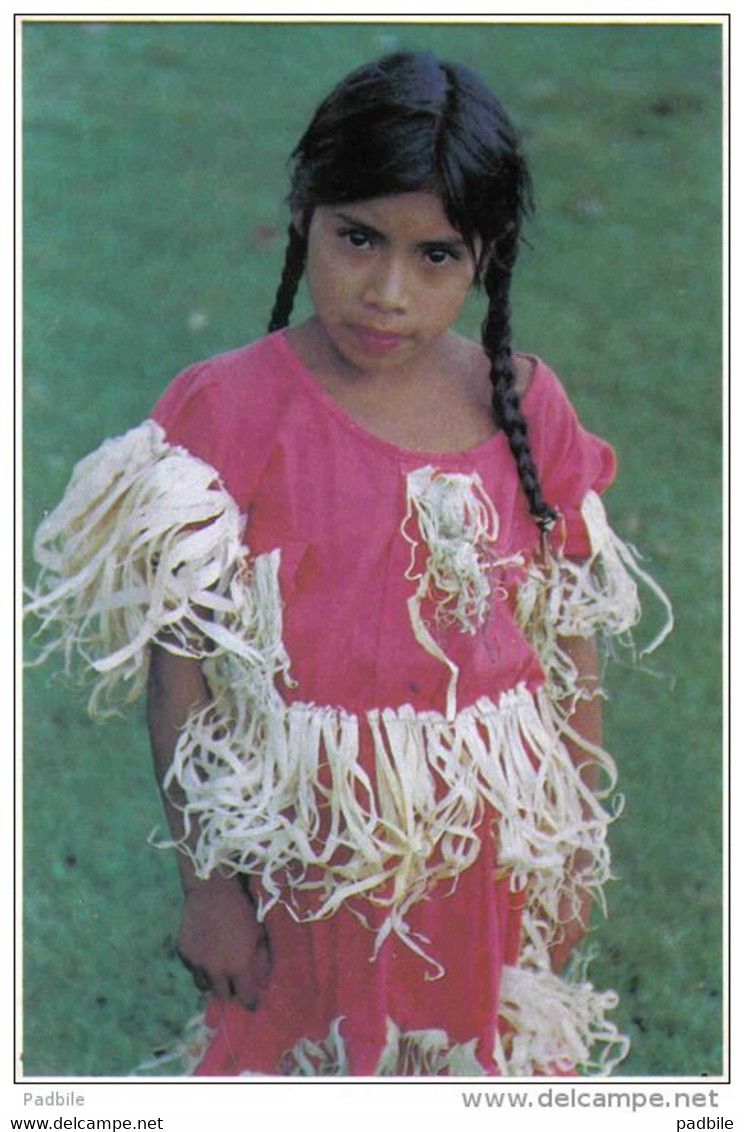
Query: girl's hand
{"points": [[221, 941]]}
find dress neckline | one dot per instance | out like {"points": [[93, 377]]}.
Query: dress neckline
{"points": [[399, 452]]}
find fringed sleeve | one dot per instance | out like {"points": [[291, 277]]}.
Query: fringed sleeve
{"points": [[144, 546], [584, 581], [596, 596]]}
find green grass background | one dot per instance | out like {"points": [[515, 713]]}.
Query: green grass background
{"points": [[154, 185]]}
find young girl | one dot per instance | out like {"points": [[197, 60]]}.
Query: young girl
{"points": [[360, 565]]}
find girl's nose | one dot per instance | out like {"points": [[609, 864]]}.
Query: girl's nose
{"points": [[386, 287]]}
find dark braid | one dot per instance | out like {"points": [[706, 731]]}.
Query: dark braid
{"points": [[294, 265], [496, 337]]}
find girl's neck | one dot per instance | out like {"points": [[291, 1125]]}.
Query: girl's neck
{"points": [[441, 403]]}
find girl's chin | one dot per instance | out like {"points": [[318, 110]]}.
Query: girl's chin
{"points": [[356, 349]]}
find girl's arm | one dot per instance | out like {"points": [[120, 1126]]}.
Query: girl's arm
{"points": [[220, 940], [586, 719]]}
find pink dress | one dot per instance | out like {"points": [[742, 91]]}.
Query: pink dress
{"points": [[367, 631]]}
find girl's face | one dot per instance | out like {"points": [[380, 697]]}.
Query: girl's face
{"points": [[387, 278]]}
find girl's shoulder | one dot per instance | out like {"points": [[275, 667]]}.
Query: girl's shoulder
{"points": [[226, 408], [543, 397], [550, 415], [226, 378], [570, 457], [530, 369]]}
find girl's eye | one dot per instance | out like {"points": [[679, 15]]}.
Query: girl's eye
{"points": [[357, 237], [439, 255]]}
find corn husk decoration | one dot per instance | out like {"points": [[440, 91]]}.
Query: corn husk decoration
{"points": [[183, 1055], [548, 1026], [426, 1053], [458, 524], [552, 1025], [146, 546], [323, 1058], [283, 796], [561, 597]]}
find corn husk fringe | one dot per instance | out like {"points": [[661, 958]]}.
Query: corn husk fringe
{"points": [[185, 1054], [146, 545], [555, 1026], [426, 1053], [561, 597], [281, 793], [548, 1027], [324, 1058], [458, 524]]}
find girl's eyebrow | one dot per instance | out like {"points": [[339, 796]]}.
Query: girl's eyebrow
{"points": [[356, 222]]}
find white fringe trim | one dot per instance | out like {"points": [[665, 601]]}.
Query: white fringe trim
{"points": [[458, 523], [279, 791], [324, 1058], [146, 545], [561, 597], [426, 1053], [550, 1027], [186, 1053], [554, 1026]]}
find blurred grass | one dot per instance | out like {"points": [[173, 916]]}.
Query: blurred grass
{"points": [[154, 184]]}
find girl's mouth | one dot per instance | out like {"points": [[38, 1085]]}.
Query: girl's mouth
{"points": [[377, 341]]}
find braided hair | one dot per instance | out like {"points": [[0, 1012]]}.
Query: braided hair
{"points": [[411, 123], [294, 265]]}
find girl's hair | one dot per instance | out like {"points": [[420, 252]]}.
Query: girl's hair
{"points": [[411, 123]]}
